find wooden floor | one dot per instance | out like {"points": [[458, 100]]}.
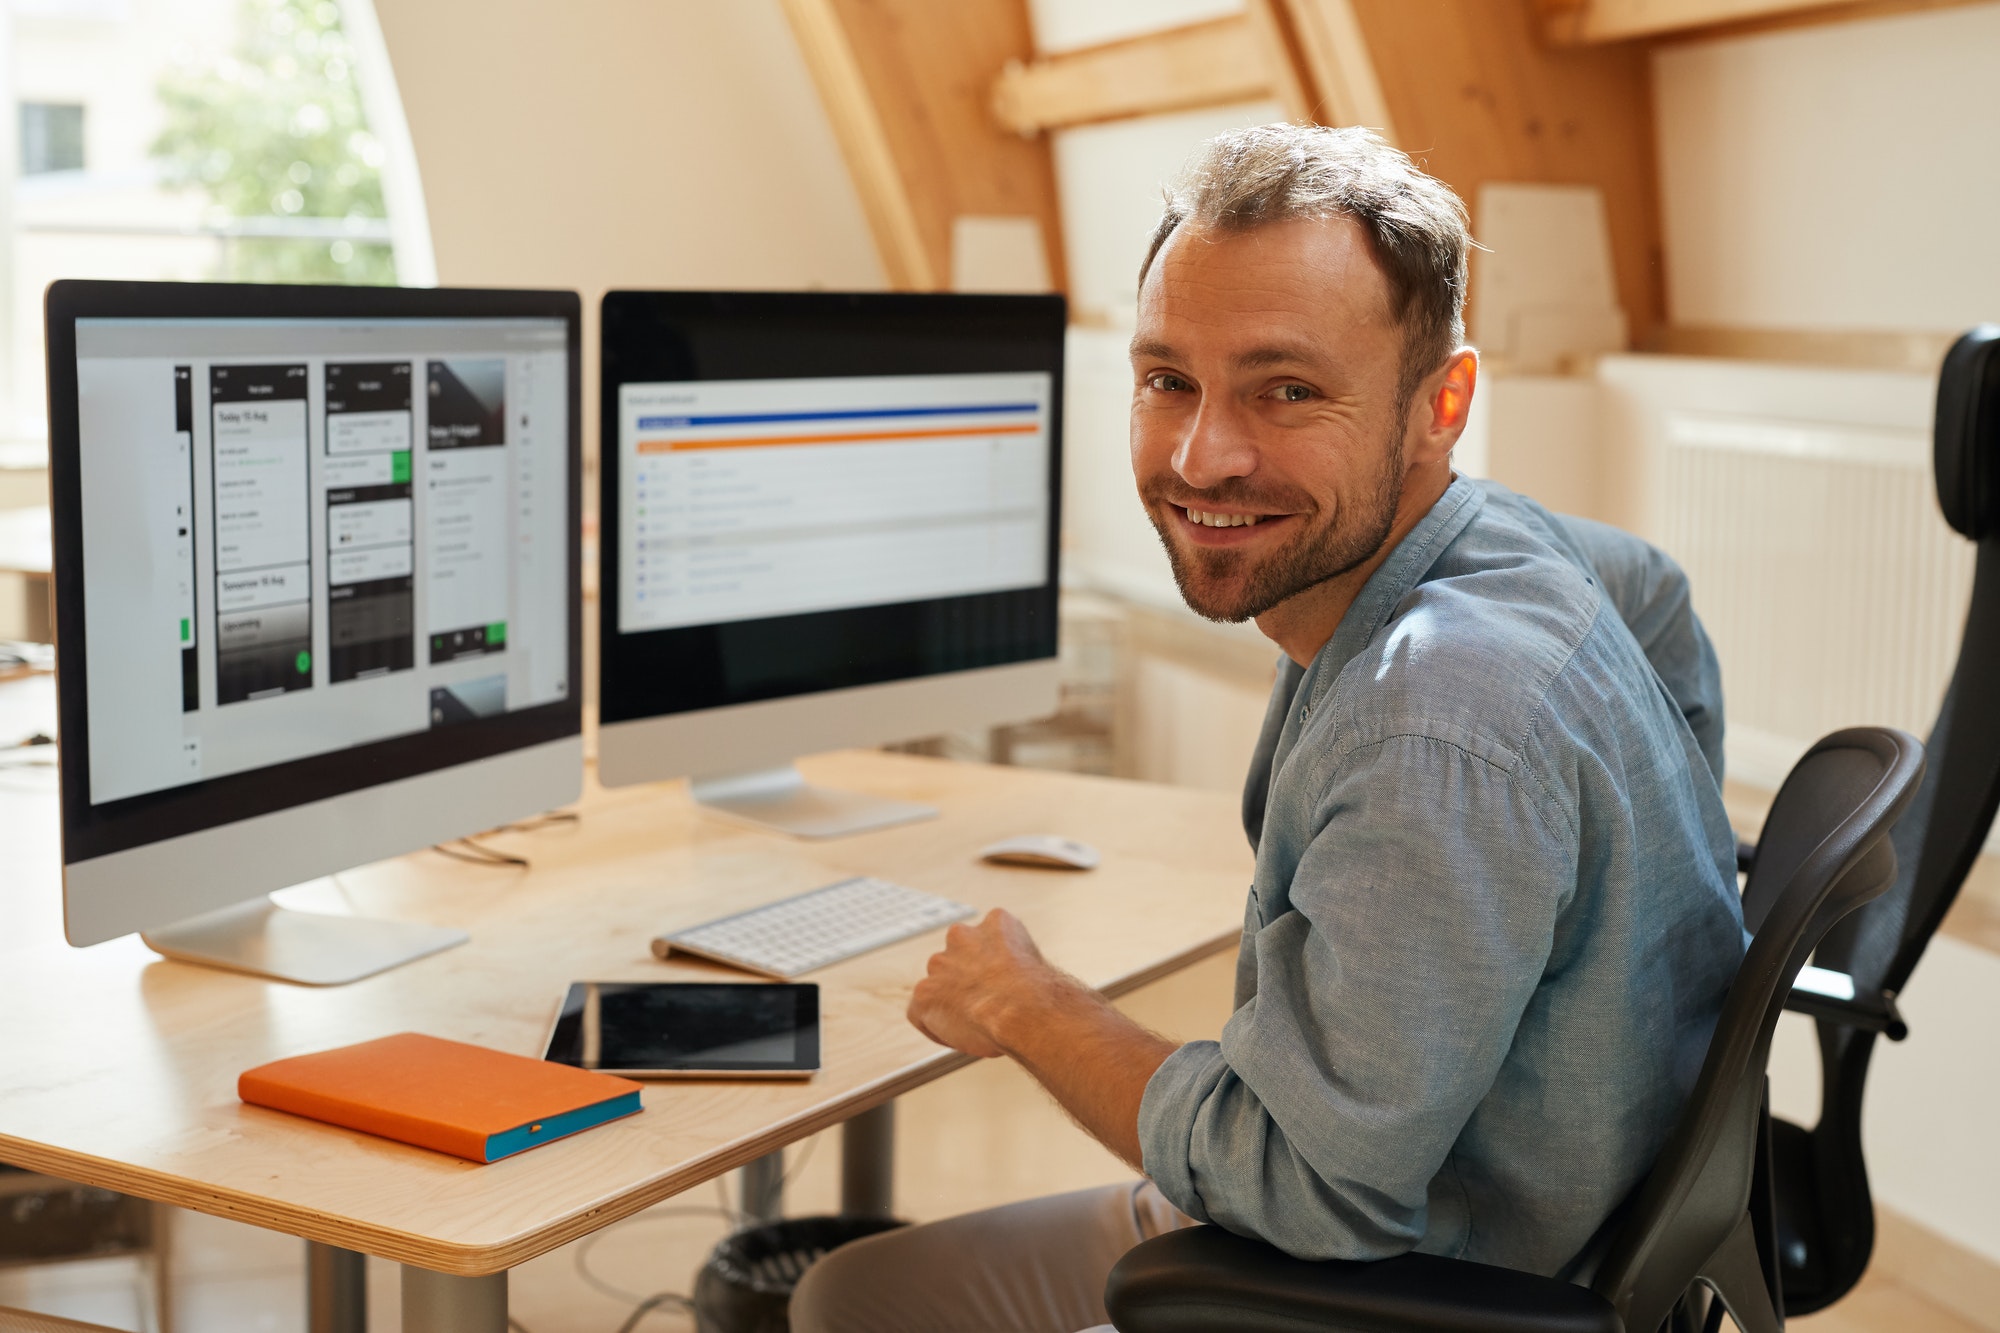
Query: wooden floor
{"points": [[1883, 1305], [983, 1136]]}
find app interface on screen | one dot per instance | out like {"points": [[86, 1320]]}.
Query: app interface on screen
{"points": [[301, 536], [747, 499]]}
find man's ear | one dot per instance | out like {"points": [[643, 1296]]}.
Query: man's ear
{"points": [[1442, 416]]}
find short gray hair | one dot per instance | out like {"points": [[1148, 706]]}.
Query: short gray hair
{"points": [[1416, 224]]}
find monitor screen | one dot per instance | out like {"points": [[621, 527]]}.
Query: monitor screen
{"points": [[806, 492], [307, 535]]}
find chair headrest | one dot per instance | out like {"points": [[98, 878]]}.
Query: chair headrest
{"points": [[1967, 458]]}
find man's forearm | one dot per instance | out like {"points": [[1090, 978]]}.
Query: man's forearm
{"points": [[1093, 1060], [990, 992]]}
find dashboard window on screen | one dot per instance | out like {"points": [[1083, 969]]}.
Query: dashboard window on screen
{"points": [[751, 499], [305, 535]]}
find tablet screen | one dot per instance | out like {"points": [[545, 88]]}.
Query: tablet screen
{"points": [[682, 1027]]}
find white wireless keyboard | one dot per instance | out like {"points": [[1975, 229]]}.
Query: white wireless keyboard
{"points": [[794, 935]]}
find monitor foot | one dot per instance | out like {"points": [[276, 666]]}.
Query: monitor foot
{"points": [[310, 948], [781, 799]]}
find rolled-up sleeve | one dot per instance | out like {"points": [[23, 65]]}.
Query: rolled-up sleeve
{"points": [[1389, 987]]}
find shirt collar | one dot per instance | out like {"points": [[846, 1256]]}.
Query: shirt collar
{"points": [[1391, 582]]}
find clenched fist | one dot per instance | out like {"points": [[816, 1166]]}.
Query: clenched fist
{"points": [[985, 978]]}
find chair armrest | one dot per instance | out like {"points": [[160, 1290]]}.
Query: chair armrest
{"points": [[1830, 997], [1207, 1280]]}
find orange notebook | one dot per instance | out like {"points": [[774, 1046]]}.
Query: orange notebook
{"points": [[468, 1101]]}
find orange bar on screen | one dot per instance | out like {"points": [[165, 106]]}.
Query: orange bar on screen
{"points": [[843, 437]]}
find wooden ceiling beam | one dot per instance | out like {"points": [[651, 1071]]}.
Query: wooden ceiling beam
{"points": [[1469, 87], [864, 141], [1332, 55], [1593, 22], [1307, 55], [1203, 64], [1479, 97], [905, 83]]}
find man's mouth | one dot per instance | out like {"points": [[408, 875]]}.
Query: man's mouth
{"points": [[1208, 519]]}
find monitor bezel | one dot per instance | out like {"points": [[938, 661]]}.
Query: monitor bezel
{"points": [[629, 665], [95, 830]]}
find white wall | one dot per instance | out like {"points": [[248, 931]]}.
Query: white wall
{"points": [[1110, 180], [1843, 176], [1193, 728], [661, 143], [1927, 1118], [1540, 435]]}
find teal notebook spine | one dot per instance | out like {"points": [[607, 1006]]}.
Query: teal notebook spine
{"points": [[537, 1132]]}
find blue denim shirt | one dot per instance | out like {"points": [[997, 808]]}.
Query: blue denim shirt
{"points": [[1494, 912]]}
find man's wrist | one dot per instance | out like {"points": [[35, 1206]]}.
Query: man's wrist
{"points": [[1027, 1009]]}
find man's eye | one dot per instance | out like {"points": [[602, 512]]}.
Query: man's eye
{"points": [[1168, 383], [1293, 393]]}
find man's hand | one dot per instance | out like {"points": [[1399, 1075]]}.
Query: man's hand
{"points": [[986, 973], [990, 992]]}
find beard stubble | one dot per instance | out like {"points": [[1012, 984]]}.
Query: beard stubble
{"points": [[1215, 584]]}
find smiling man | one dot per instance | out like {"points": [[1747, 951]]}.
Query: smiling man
{"points": [[1493, 914]]}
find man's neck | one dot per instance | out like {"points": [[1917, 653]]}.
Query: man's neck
{"points": [[1302, 623]]}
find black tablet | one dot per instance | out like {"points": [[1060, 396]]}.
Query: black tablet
{"points": [[688, 1029]]}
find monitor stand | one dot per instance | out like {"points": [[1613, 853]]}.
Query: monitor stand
{"points": [[781, 799], [310, 948]]}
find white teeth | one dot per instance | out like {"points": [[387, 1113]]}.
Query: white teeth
{"points": [[1209, 520]]}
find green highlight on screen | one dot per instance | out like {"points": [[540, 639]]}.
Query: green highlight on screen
{"points": [[496, 634], [399, 463], [187, 630], [304, 662]]}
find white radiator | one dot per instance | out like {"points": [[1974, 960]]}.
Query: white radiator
{"points": [[1800, 503]]}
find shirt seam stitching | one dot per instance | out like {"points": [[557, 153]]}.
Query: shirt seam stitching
{"points": [[1540, 713], [1540, 795]]}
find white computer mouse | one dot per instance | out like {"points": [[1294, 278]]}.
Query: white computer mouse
{"points": [[1045, 850]]}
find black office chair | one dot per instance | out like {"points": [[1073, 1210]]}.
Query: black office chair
{"points": [[1825, 851], [1825, 1215]]}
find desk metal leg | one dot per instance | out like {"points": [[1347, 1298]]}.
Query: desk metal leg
{"points": [[163, 1268], [336, 1289], [443, 1303], [868, 1163], [763, 1187]]}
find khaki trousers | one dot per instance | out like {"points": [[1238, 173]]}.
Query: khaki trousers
{"points": [[1033, 1267]]}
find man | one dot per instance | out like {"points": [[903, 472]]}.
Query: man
{"points": [[1493, 916]]}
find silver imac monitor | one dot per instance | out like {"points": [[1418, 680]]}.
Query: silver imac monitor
{"points": [[827, 520], [317, 599]]}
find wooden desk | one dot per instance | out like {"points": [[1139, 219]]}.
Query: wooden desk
{"points": [[118, 1067]]}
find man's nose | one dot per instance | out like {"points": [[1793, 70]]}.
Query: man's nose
{"points": [[1218, 446]]}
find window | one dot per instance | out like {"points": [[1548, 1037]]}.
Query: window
{"points": [[227, 140], [51, 137]]}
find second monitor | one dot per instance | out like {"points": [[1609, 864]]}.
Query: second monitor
{"points": [[828, 520]]}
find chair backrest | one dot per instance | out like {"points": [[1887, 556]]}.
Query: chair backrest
{"points": [[1825, 850], [1940, 836]]}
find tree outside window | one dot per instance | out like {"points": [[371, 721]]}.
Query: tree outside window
{"points": [[274, 133], [191, 140]]}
